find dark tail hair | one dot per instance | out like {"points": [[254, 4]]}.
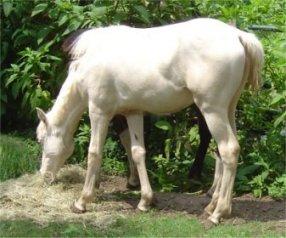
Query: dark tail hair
{"points": [[71, 40]]}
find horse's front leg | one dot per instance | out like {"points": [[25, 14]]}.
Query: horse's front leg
{"points": [[99, 127], [135, 124]]}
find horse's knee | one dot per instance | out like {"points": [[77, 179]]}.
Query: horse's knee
{"points": [[138, 154], [229, 154]]}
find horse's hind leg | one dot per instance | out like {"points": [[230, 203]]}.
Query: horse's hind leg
{"points": [[121, 128], [223, 133], [135, 125], [133, 179], [217, 175], [205, 138]]}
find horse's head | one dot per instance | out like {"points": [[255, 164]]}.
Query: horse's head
{"points": [[56, 146]]}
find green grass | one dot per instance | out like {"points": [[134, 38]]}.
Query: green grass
{"points": [[140, 225], [17, 156]]}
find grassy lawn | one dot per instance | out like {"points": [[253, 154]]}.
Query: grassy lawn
{"points": [[17, 156], [141, 225]]}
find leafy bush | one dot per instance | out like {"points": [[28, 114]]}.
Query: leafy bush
{"points": [[114, 161], [17, 156]]}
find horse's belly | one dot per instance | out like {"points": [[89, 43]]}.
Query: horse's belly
{"points": [[161, 102]]}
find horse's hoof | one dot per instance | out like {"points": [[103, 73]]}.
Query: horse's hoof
{"points": [[208, 224], [143, 208], [74, 209], [204, 216], [213, 220]]}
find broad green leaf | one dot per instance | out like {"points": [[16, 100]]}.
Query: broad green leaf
{"points": [[39, 8], [7, 8], [193, 133], [178, 148], [163, 125], [145, 15], [27, 68], [15, 90], [257, 192], [278, 97], [63, 19], [25, 99], [15, 67], [247, 170], [42, 35], [280, 119], [186, 162], [74, 25], [281, 179], [55, 58], [167, 148], [97, 11], [264, 175], [11, 79]]}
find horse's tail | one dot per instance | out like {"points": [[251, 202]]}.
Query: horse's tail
{"points": [[69, 44], [254, 59]]}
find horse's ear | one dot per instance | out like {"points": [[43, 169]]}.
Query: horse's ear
{"points": [[42, 115]]}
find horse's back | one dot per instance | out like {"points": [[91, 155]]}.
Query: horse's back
{"points": [[148, 68], [127, 41]]}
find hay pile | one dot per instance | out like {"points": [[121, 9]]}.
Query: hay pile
{"points": [[29, 198]]}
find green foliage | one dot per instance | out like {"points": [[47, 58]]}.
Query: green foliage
{"points": [[114, 161], [17, 156], [277, 189], [81, 141], [180, 143], [33, 68]]}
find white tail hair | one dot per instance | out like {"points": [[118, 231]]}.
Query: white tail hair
{"points": [[254, 59]]}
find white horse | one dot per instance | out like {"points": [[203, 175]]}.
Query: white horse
{"points": [[128, 71]]}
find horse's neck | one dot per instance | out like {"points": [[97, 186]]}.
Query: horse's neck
{"points": [[68, 108]]}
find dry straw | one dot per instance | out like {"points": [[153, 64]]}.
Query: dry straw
{"points": [[29, 198]]}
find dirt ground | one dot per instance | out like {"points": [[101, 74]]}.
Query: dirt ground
{"points": [[245, 208], [28, 198]]}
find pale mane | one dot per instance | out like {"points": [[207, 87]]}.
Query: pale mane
{"points": [[65, 102]]}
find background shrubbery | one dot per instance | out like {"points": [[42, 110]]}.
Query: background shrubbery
{"points": [[34, 67]]}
